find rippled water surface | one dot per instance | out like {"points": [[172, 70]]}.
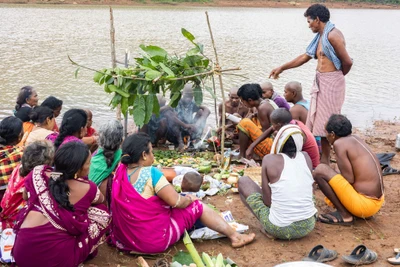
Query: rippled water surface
{"points": [[35, 42]]}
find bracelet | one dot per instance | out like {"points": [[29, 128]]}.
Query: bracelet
{"points": [[177, 202]]}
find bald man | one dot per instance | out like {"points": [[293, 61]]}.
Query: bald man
{"points": [[235, 107], [294, 93], [269, 93]]}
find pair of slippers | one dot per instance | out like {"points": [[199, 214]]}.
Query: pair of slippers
{"points": [[395, 260], [389, 170], [359, 256]]}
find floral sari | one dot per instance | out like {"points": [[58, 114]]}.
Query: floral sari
{"points": [[69, 237]]}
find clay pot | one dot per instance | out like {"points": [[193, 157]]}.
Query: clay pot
{"points": [[169, 173]]}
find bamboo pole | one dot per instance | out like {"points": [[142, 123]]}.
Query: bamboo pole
{"points": [[218, 68], [113, 57], [126, 113]]}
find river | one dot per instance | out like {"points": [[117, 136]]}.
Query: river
{"points": [[35, 42]]}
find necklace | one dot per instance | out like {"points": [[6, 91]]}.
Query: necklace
{"points": [[133, 167]]}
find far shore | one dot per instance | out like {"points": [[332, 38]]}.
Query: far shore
{"points": [[215, 3]]}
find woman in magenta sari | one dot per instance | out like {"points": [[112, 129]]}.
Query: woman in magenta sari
{"points": [[148, 214], [37, 153], [73, 128], [63, 222]]}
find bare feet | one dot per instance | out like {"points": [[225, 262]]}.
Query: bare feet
{"points": [[240, 240]]}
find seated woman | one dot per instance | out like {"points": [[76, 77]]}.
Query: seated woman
{"points": [[26, 100], [73, 128], [37, 153], [55, 105], [108, 155], [148, 214], [284, 205], [43, 118], [10, 154], [63, 222]]}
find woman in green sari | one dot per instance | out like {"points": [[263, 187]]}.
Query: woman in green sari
{"points": [[107, 157]]}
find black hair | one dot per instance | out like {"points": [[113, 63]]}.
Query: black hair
{"points": [[289, 148], [24, 94], [318, 10], [10, 130], [69, 159], [40, 114], [52, 102], [281, 115], [23, 114], [339, 124], [250, 91], [37, 153], [134, 146], [72, 122]]}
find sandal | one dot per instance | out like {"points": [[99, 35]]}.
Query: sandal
{"points": [[395, 260], [321, 254], [327, 218], [361, 255], [389, 170]]}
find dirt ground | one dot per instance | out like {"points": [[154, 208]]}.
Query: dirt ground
{"points": [[381, 233], [215, 3]]}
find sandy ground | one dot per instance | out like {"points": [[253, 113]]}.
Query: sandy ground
{"points": [[215, 3], [379, 233]]}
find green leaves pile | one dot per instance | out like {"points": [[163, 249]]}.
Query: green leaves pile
{"points": [[156, 72]]}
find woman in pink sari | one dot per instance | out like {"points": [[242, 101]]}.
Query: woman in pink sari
{"points": [[63, 222], [37, 153], [148, 214]]}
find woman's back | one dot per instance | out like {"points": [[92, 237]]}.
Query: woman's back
{"points": [[291, 195]]}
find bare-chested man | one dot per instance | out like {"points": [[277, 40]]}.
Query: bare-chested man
{"points": [[251, 128], [358, 189], [328, 91], [294, 93], [268, 92], [235, 107]]}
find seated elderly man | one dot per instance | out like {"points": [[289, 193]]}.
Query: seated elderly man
{"points": [[284, 205], [357, 189], [235, 107]]}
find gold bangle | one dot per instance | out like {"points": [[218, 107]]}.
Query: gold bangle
{"points": [[177, 202]]}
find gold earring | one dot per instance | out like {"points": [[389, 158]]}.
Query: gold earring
{"points": [[76, 176], [144, 158]]}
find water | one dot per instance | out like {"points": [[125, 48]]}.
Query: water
{"points": [[35, 42]]}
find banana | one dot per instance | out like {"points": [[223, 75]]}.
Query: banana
{"points": [[207, 260]]}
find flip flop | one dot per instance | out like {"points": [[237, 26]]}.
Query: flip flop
{"points": [[389, 170], [321, 254], [327, 218], [360, 256], [395, 260]]}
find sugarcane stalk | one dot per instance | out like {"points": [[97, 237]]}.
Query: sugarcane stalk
{"points": [[192, 250]]}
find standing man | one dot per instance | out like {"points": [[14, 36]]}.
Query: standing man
{"points": [[327, 93]]}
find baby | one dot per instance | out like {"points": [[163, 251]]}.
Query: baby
{"points": [[191, 182]]}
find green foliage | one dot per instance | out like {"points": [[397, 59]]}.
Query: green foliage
{"points": [[156, 72]]}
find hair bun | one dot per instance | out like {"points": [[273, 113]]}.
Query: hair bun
{"points": [[126, 159]]}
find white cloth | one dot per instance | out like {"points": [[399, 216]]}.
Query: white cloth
{"points": [[292, 194], [282, 136]]}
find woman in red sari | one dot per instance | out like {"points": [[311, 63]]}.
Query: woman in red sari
{"points": [[63, 222], [37, 153], [148, 214]]}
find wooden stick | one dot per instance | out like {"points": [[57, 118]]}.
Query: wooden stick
{"points": [[215, 104], [113, 57], [217, 67], [142, 262]]}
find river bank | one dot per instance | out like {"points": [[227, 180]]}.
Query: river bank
{"points": [[215, 3], [378, 233]]}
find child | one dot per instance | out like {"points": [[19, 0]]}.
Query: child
{"points": [[191, 182], [91, 136]]}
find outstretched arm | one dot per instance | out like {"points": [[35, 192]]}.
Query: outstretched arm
{"points": [[297, 62]]}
